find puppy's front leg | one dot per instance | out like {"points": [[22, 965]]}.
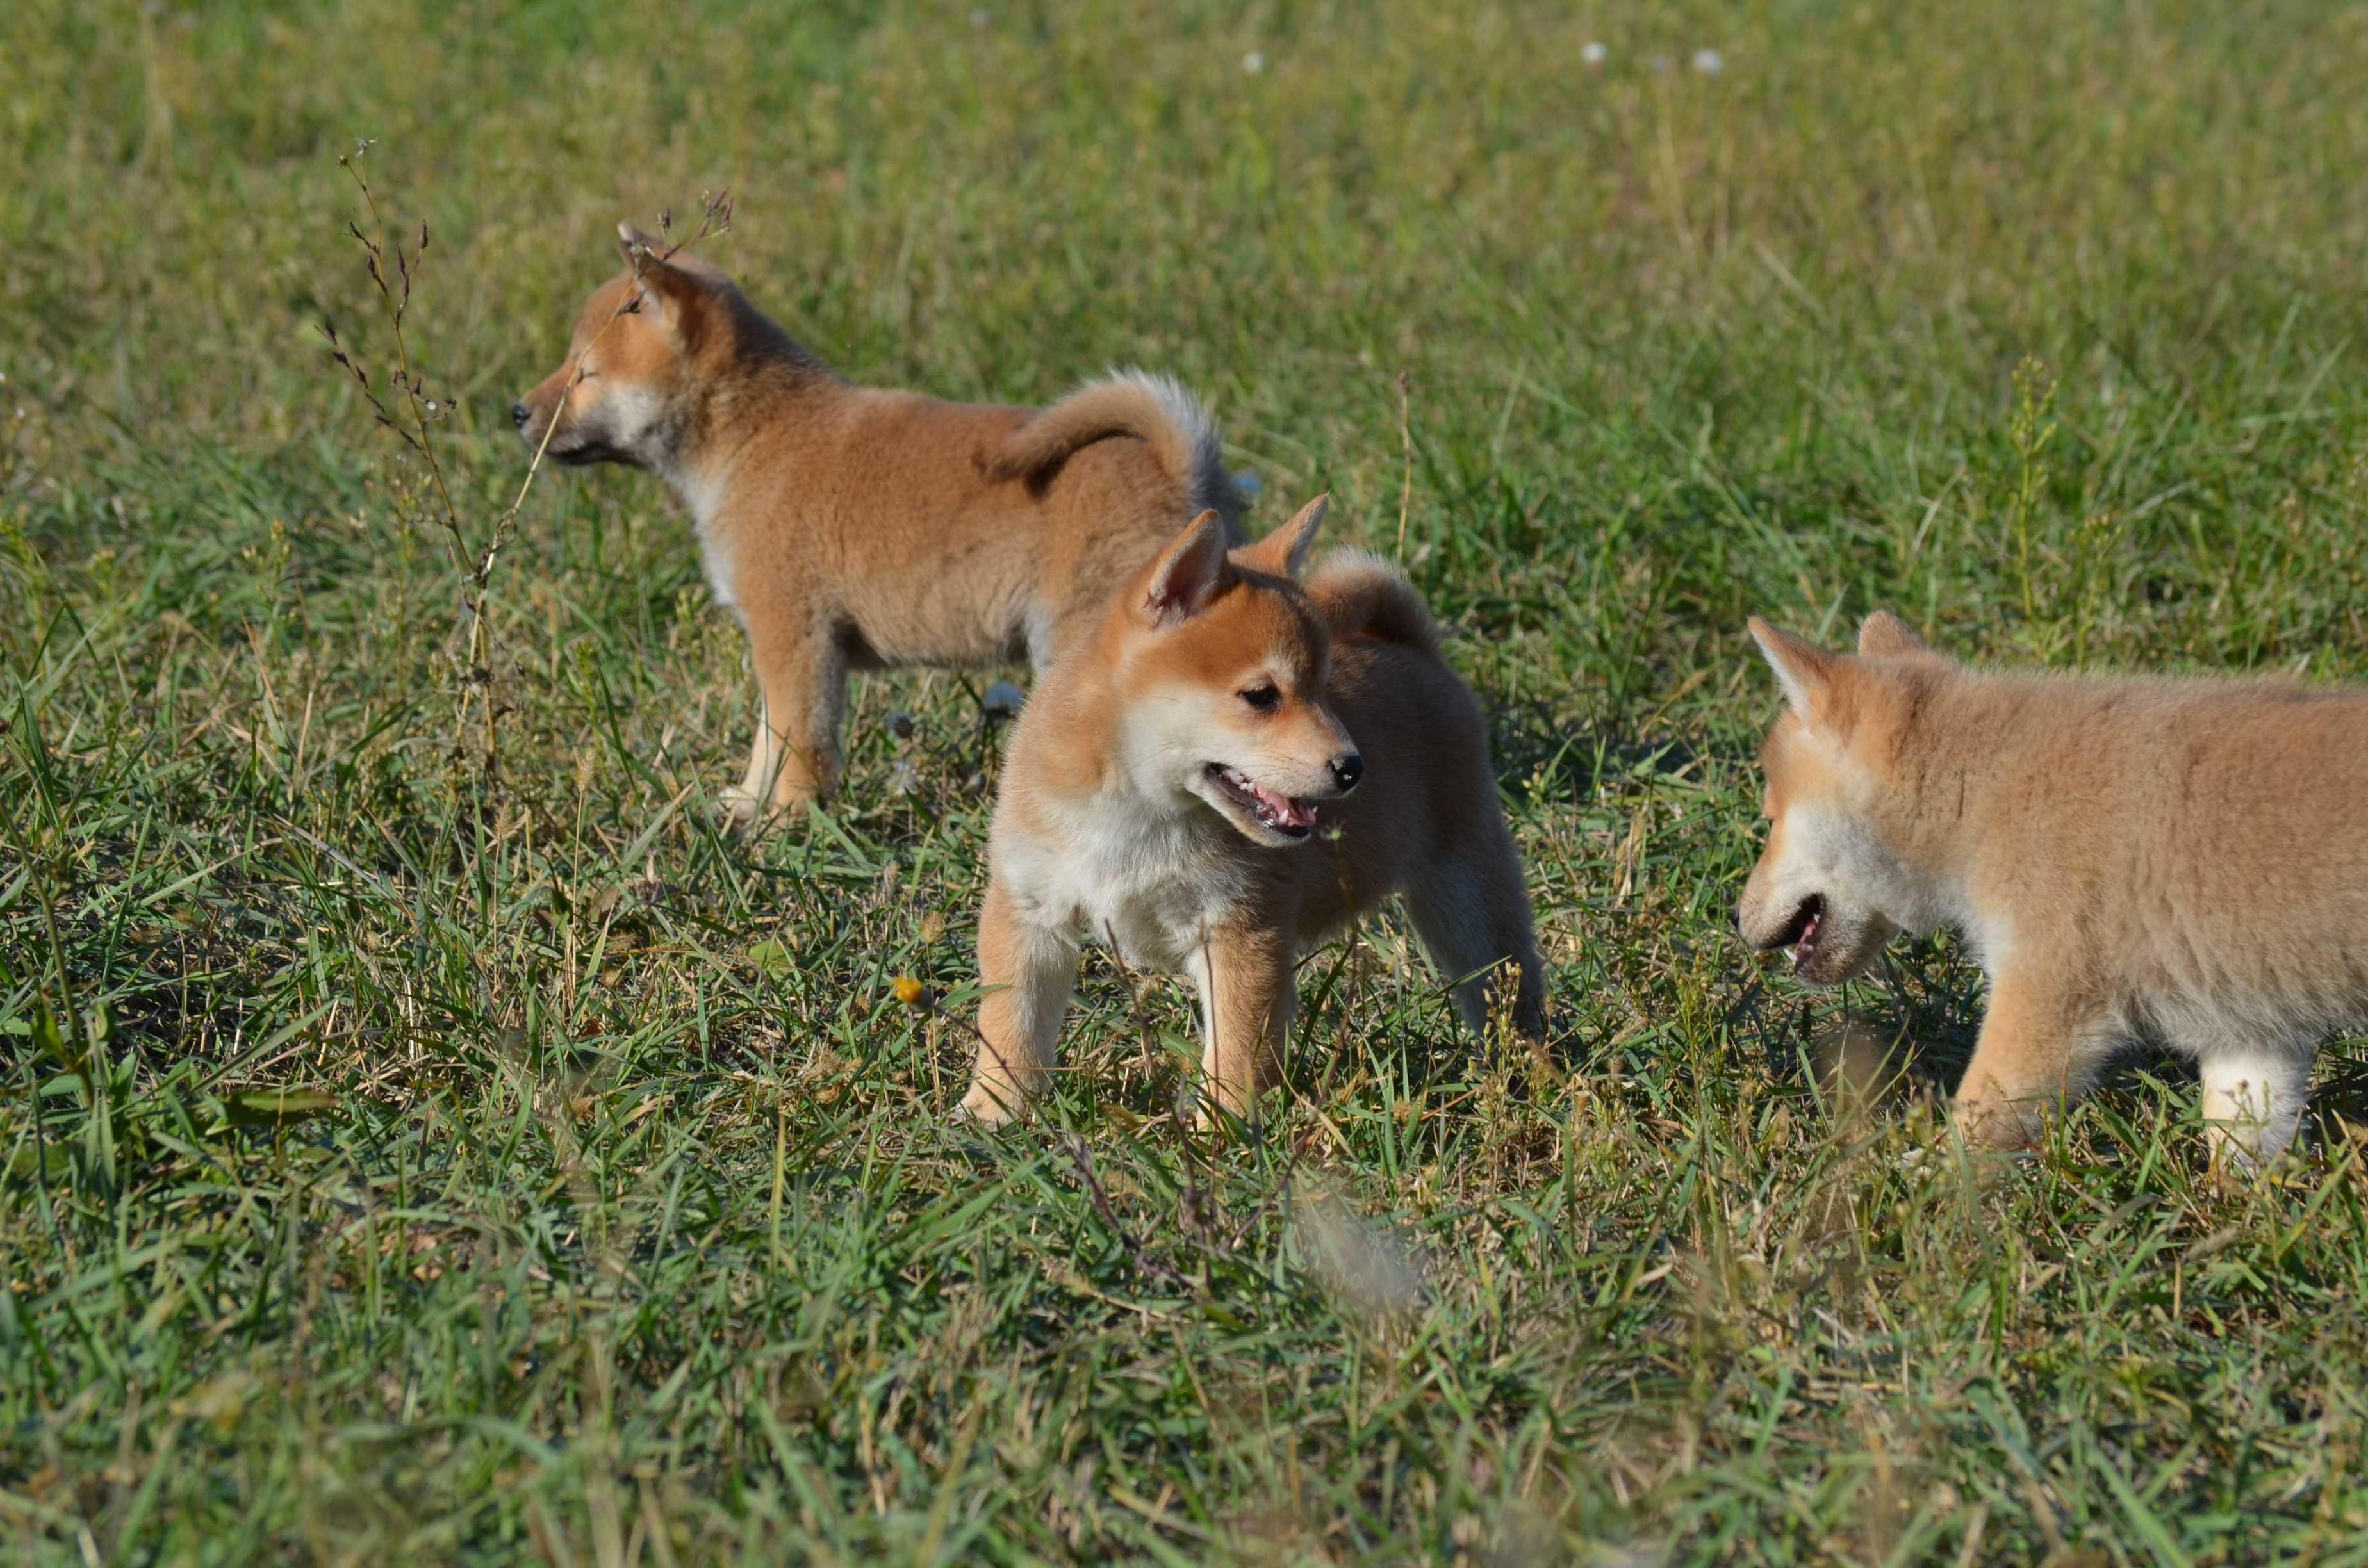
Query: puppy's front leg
{"points": [[1249, 990], [801, 696], [1028, 968], [2026, 1064]]}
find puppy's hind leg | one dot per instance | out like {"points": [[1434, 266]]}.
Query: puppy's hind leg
{"points": [[2253, 1103], [1472, 911]]}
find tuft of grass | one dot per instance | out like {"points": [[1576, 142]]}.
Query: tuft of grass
{"points": [[405, 1161]]}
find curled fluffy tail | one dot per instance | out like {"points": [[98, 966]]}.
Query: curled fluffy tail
{"points": [[1154, 408], [1360, 594]]}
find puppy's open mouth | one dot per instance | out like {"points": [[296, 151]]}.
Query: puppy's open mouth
{"points": [[1292, 819], [583, 454], [1801, 936]]}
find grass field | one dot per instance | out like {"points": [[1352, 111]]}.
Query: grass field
{"points": [[401, 1166]]}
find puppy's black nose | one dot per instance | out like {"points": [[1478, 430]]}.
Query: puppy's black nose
{"points": [[520, 413], [1346, 770]]}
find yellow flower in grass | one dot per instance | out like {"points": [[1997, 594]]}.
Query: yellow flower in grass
{"points": [[909, 990]]}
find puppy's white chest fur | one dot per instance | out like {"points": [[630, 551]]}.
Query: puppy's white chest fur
{"points": [[703, 496], [1153, 884]]}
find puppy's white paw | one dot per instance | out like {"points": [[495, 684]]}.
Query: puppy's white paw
{"points": [[988, 1109], [745, 811], [737, 806], [1204, 1117]]}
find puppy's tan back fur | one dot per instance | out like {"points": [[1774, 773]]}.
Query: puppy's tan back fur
{"points": [[1226, 771], [2178, 861], [852, 527]]}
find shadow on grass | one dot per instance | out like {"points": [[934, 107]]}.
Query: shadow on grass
{"points": [[1543, 753], [1882, 1049]]}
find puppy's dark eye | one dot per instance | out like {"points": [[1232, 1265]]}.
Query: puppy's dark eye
{"points": [[1263, 697]]}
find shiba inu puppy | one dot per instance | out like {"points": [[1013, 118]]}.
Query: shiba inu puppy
{"points": [[850, 528], [2179, 861], [1228, 768]]}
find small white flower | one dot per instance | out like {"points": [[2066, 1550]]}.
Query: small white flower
{"points": [[1709, 62], [903, 779], [1594, 55], [1253, 61]]}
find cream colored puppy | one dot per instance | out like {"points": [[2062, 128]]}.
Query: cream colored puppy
{"points": [[2179, 861]]}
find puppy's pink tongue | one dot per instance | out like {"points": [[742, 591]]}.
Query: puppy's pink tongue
{"points": [[1806, 947], [1286, 811]]}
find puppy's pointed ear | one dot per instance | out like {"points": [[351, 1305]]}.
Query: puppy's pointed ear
{"points": [[674, 289], [1807, 672], [1884, 635], [1283, 553], [634, 245], [1180, 585]]}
